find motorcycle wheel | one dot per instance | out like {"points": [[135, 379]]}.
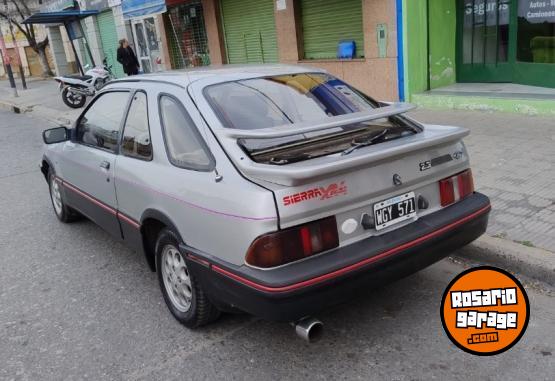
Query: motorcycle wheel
{"points": [[72, 99]]}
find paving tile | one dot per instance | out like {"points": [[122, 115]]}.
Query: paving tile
{"points": [[513, 162]]}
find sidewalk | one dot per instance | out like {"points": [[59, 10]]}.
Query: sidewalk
{"points": [[42, 98], [513, 162]]}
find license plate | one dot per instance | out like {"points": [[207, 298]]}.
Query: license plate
{"points": [[394, 210]]}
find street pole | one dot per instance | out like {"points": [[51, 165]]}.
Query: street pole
{"points": [[6, 59], [17, 55]]}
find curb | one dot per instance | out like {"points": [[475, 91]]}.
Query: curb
{"points": [[13, 107], [37, 111], [514, 257]]}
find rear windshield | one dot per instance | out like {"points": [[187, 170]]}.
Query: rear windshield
{"points": [[280, 100]]}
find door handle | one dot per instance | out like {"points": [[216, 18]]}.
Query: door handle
{"points": [[105, 165]]}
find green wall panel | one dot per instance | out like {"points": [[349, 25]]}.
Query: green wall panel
{"points": [[325, 23], [417, 46], [250, 31], [433, 55], [109, 40], [443, 28]]}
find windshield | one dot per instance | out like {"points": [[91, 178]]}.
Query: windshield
{"points": [[281, 100]]}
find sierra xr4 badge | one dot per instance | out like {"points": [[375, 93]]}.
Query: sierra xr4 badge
{"points": [[323, 193]]}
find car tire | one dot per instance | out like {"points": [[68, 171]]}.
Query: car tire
{"points": [[182, 292], [62, 211]]}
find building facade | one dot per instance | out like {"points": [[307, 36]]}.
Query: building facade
{"points": [[308, 32], [17, 45], [477, 41], [135, 20]]}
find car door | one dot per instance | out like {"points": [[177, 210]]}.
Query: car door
{"points": [[89, 160], [134, 168]]}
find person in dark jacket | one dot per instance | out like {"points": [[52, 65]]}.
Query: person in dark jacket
{"points": [[127, 58]]}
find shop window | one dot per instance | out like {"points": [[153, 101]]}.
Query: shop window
{"points": [[326, 23], [486, 31], [187, 40], [536, 31]]}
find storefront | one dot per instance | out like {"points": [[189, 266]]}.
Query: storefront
{"points": [[108, 34], [147, 30], [478, 41], [249, 31], [506, 41], [186, 34]]}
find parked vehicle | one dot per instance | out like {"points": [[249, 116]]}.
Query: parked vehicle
{"points": [[76, 88], [274, 190]]}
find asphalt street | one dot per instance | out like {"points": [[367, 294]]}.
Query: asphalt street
{"points": [[75, 304]]}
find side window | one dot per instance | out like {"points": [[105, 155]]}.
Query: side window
{"points": [[99, 126], [184, 144], [136, 134]]}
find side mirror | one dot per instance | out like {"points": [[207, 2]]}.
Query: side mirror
{"points": [[55, 135]]}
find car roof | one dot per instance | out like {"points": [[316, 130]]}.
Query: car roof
{"points": [[223, 73]]}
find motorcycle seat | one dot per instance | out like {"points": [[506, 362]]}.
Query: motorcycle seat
{"points": [[79, 77]]}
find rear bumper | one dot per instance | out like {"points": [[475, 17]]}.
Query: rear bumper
{"points": [[301, 289]]}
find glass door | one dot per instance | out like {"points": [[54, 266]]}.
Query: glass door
{"points": [[147, 44], [486, 40]]}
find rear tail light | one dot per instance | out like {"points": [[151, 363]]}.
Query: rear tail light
{"points": [[456, 187], [292, 244]]}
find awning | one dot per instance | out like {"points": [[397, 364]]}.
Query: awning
{"points": [[138, 8], [60, 17]]}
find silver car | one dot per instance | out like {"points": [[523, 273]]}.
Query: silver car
{"points": [[273, 190]]}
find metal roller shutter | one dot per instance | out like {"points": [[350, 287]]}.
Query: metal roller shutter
{"points": [[109, 40], [325, 23], [250, 31]]}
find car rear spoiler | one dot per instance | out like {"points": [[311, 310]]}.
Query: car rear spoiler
{"points": [[311, 170], [325, 124]]}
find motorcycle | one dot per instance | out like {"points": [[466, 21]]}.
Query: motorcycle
{"points": [[76, 88]]}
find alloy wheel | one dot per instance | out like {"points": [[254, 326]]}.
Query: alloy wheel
{"points": [[56, 196], [177, 280]]}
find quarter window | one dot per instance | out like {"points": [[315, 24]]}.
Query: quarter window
{"points": [[184, 144], [100, 125], [136, 135]]}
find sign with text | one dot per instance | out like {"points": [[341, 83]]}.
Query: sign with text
{"points": [[139, 8], [56, 5], [493, 12], [537, 11], [93, 5]]}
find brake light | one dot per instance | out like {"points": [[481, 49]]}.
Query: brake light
{"points": [[456, 187], [292, 244]]}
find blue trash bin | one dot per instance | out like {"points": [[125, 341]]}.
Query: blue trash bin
{"points": [[346, 49]]}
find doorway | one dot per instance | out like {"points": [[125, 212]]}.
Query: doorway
{"points": [[486, 46], [147, 44], [506, 41]]}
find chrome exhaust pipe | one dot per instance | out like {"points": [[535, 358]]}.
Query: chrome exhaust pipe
{"points": [[309, 329]]}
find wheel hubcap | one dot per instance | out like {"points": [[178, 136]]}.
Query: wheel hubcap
{"points": [[56, 197], [177, 280]]}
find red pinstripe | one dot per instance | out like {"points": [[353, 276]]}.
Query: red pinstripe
{"points": [[111, 210], [129, 220], [91, 199], [354, 266]]}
